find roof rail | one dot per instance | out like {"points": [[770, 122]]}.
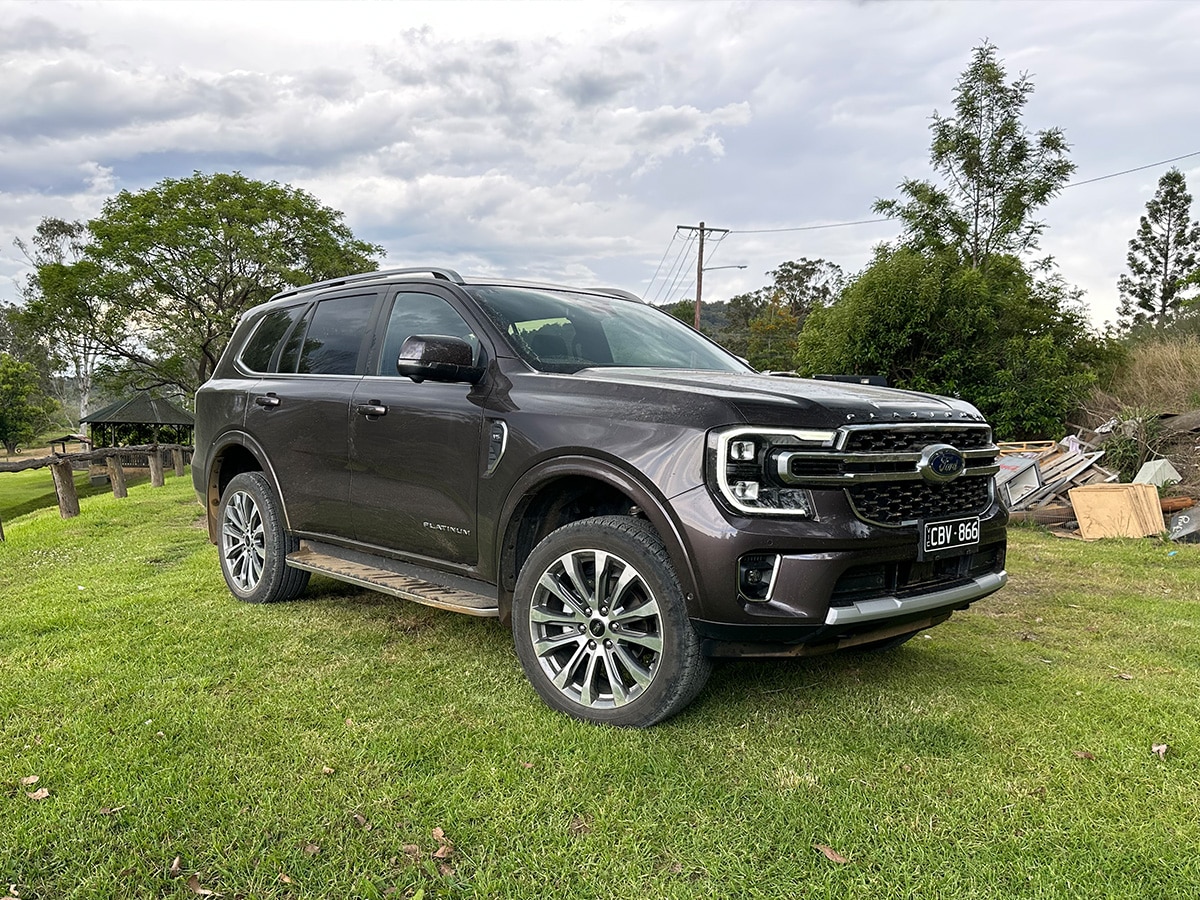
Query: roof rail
{"points": [[617, 292], [444, 274]]}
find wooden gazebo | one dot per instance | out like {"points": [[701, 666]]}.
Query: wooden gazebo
{"points": [[140, 419]]}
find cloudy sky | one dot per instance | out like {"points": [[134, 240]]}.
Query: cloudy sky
{"points": [[566, 140]]}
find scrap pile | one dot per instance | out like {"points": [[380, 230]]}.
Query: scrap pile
{"points": [[1036, 476], [1063, 485]]}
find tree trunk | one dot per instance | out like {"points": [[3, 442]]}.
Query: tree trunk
{"points": [[116, 477], [64, 485], [156, 468]]}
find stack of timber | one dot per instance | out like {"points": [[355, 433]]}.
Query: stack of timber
{"points": [[1036, 476]]}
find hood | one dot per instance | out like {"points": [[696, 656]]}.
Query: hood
{"points": [[779, 400]]}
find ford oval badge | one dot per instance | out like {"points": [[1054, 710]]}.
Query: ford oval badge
{"points": [[941, 463]]}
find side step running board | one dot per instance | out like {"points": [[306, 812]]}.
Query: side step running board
{"points": [[405, 587]]}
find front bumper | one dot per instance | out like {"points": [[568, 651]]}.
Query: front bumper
{"points": [[860, 611], [838, 578]]}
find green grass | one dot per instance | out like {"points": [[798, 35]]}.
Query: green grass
{"points": [[957, 766], [33, 489]]}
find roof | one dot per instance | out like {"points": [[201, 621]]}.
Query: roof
{"points": [[141, 409]]}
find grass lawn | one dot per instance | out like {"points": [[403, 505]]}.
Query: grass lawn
{"points": [[24, 492], [351, 745]]}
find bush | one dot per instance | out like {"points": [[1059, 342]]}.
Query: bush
{"points": [[1016, 345]]}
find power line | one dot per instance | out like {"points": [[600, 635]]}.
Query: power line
{"points": [[661, 261], [667, 276], [808, 227], [716, 245], [678, 268], [1128, 171], [1152, 165]]}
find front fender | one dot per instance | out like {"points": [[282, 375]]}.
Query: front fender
{"points": [[640, 492]]}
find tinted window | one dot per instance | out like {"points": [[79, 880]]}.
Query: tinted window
{"points": [[560, 331], [335, 337], [270, 331], [414, 313], [290, 354]]}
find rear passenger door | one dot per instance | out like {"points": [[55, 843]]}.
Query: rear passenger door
{"points": [[300, 411], [416, 466]]}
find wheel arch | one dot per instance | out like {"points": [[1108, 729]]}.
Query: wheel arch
{"points": [[567, 489], [232, 454]]}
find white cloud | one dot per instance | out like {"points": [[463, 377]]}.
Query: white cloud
{"points": [[570, 139]]}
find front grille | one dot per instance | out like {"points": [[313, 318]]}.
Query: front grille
{"points": [[908, 440], [897, 502]]}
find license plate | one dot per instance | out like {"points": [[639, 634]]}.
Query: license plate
{"points": [[952, 535]]}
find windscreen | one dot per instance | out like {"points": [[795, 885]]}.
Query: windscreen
{"points": [[563, 331]]}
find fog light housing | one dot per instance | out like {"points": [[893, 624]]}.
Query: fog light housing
{"points": [[756, 576], [745, 490]]}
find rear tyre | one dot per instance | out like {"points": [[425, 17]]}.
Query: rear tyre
{"points": [[600, 625], [253, 544]]}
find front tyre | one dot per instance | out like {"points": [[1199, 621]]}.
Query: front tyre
{"points": [[600, 624], [253, 544]]}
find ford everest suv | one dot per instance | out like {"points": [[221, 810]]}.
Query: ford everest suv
{"points": [[633, 499]]}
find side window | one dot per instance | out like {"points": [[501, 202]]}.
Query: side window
{"points": [[414, 313], [257, 354], [335, 337], [290, 355]]}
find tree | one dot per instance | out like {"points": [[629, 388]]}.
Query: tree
{"points": [[776, 313], [62, 309], [762, 325], [1018, 346], [996, 175], [24, 409], [1163, 259], [7, 338], [773, 333], [804, 285], [954, 309], [166, 272]]}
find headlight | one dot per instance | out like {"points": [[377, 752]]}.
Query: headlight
{"points": [[743, 464]]}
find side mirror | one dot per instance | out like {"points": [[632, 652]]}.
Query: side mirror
{"points": [[438, 357]]}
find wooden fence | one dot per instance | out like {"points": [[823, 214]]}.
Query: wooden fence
{"points": [[116, 459]]}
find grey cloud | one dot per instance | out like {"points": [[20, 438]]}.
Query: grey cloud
{"points": [[331, 85], [594, 88], [68, 97], [39, 34]]}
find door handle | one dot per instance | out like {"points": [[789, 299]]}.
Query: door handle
{"points": [[371, 410], [269, 401]]}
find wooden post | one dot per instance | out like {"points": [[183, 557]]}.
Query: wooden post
{"points": [[177, 454], [64, 484], [156, 467], [1, 531], [116, 476]]}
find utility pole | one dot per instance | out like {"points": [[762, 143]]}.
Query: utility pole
{"points": [[700, 263]]}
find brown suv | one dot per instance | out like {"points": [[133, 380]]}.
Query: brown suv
{"points": [[631, 497]]}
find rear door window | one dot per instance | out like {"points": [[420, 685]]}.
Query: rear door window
{"points": [[338, 336]]}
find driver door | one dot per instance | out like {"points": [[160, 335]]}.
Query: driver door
{"points": [[415, 468]]}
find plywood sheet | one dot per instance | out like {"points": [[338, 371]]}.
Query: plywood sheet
{"points": [[1117, 510]]}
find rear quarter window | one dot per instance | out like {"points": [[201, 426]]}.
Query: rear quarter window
{"points": [[259, 352]]}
